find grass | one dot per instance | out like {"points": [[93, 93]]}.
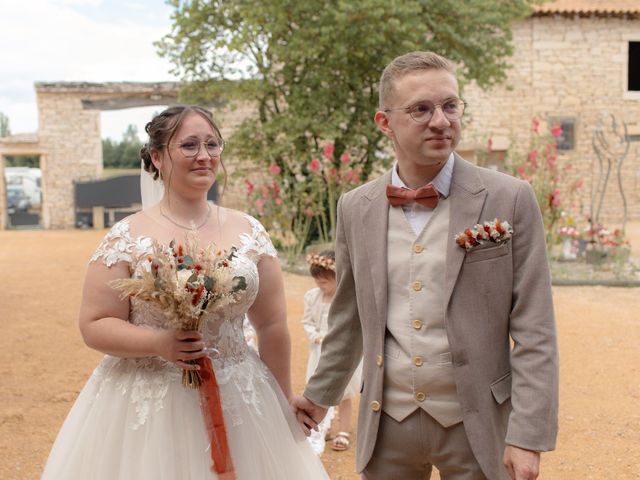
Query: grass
{"points": [[117, 172]]}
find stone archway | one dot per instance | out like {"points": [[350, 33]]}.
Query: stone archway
{"points": [[69, 141], [19, 145]]}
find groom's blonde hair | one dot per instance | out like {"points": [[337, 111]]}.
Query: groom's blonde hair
{"points": [[408, 63]]}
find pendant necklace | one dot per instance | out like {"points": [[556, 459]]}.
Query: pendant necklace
{"points": [[204, 222]]}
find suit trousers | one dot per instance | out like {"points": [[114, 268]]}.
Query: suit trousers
{"points": [[409, 449]]}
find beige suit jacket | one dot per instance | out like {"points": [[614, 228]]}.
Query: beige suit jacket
{"points": [[494, 294]]}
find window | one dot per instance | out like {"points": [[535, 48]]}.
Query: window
{"points": [[633, 77], [566, 141]]}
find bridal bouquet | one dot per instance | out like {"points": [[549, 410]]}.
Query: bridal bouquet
{"points": [[186, 281]]}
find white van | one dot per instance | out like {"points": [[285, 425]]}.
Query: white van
{"points": [[27, 180]]}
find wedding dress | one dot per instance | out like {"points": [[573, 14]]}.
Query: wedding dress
{"points": [[134, 420]]}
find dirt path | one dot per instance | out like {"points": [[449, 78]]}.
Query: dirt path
{"points": [[44, 363]]}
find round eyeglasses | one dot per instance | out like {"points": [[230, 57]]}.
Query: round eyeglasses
{"points": [[191, 148], [423, 112]]}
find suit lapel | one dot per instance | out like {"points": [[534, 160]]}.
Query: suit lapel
{"points": [[467, 196], [375, 220]]}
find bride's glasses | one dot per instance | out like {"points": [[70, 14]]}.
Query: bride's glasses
{"points": [[191, 148]]}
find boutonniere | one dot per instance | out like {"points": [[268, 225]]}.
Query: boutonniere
{"points": [[497, 231]]}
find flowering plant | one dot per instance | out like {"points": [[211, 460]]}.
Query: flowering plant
{"points": [[329, 181], [610, 243], [496, 231], [568, 232], [298, 200], [549, 178], [185, 281]]}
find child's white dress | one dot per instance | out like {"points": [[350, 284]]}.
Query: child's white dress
{"points": [[314, 319]]}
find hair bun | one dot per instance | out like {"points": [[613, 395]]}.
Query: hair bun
{"points": [[145, 156]]}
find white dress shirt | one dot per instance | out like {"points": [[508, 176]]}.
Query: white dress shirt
{"points": [[418, 215]]}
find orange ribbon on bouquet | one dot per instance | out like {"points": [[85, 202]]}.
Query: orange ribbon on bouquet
{"points": [[214, 421]]}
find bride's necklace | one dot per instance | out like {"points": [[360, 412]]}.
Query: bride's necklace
{"points": [[198, 227]]}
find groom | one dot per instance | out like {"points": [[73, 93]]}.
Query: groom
{"points": [[459, 345]]}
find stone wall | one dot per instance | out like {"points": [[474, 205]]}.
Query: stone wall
{"points": [[69, 129], [72, 135], [562, 67], [3, 197], [565, 67], [229, 119], [20, 145]]}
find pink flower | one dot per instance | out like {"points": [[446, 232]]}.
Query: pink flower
{"points": [[249, 185], [535, 124], [533, 155], [260, 205], [345, 158], [579, 184], [328, 150], [276, 189], [554, 198], [556, 131], [278, 201], [350, 176], [274, 169], [314, 165]]}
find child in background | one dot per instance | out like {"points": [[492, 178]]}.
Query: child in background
{"points": [[316, 311]]}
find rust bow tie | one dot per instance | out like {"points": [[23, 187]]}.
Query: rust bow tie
{"points": [[426, 196]]}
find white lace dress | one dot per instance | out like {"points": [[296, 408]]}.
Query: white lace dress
{"points": [[134, 420]]}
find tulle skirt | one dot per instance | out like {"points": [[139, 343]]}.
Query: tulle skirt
{"points": [[135, 421]]}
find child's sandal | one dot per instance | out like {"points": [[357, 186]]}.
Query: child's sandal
{"points": [[340, 442]]}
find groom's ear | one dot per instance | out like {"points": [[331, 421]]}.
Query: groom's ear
{"points": [[382, 122]]}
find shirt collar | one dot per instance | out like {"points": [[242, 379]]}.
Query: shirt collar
{"points": [[442, 180]]}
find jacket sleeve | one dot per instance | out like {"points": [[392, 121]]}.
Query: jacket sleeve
{"points": [[533, 423], [342, 346]]}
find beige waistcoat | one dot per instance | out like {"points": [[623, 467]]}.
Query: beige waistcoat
{"points": [[418, 372]]}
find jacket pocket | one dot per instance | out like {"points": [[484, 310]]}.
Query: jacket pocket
{"points": [[501, 388], [487, 253]]}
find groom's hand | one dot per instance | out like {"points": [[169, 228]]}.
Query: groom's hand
{"points": [[520, 463], [309, 414]]}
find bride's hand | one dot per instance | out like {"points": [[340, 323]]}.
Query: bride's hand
{"points": [[180, 347]]}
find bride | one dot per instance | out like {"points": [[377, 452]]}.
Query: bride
{"points": [[134, 419]]}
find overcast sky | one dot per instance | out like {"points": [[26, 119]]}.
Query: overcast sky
{"points": [[79, 40]]}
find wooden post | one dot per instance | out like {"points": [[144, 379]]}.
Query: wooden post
{"points": [[98, 218]]}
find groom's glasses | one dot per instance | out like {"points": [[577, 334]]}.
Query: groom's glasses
{"points": [[423, 112], [191, 148]]}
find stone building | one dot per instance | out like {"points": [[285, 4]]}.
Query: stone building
{"points": [[68, 140], [574, 61]]}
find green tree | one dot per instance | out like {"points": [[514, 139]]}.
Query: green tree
{"points": [[122, 154], [32, 161], [5, 130], [312, 69]]}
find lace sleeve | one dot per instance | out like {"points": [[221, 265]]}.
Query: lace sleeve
{"points": [[119, 246], [258, 242]]}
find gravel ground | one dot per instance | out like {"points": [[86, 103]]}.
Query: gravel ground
{"points": [[44, 363]]}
